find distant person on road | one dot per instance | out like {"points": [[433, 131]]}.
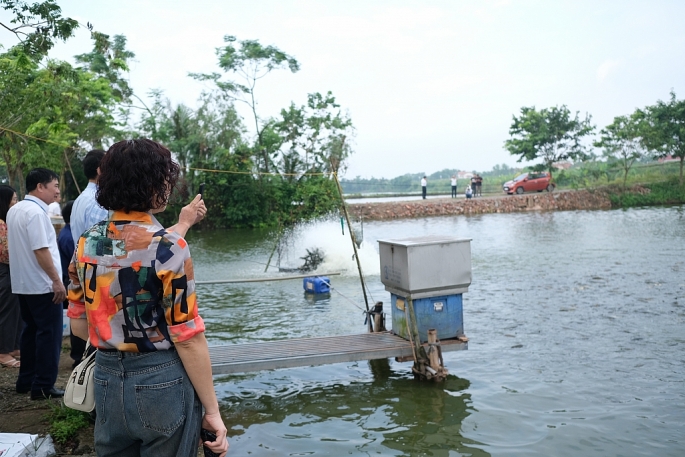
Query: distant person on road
{"points": [[479, 185], [453, 181], [468, 192], [423, 187]]}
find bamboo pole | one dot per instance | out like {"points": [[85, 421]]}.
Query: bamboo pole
{"points": [[66, 158], [277, 278], [278, 239], [415, 329], [354, 246]]}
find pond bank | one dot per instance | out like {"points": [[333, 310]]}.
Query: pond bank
{"points": [[544, 201]]}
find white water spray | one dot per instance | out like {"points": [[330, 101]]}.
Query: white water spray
{"points": [[327, 236]]}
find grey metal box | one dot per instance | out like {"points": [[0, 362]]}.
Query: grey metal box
{"points": [[426, 266]]}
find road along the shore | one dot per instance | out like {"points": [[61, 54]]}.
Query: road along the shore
{"points": [[545, 201]]}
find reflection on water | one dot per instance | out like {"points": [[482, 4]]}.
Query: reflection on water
{"points": [[576, 344], [382, 412]]}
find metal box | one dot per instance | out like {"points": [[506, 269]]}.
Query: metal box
{"points": [[444, 313], [426, 266]]}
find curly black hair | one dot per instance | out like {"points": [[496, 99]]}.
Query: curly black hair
{"points": [[136, 175]]}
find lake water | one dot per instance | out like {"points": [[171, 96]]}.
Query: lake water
{"points": [[577, 341]]}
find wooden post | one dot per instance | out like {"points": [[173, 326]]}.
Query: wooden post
{"points": [[438, 372], [433, 358], [378, 317]]}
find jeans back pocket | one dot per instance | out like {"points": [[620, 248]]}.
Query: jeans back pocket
{"points": [[161, 407]]}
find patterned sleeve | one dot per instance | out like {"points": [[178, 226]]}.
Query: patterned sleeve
{"points": [[4, 252], [175, 269], [77, 304]]}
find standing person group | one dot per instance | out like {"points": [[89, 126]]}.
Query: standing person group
{"points": [[153, 379], [476, 185]]}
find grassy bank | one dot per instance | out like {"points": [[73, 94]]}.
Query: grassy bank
{"points": [[668, 192]]}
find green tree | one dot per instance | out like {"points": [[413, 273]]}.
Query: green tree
{"points": [[249, 62], [316, 136], [37, 25], [665, 129], [57, 103], [109, 59], [621, 142], [550, 134]]}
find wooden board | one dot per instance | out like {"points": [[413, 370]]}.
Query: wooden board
{"points": [[271, 355]]}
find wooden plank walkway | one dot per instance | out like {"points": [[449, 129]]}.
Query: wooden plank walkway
{"points": [[271, 355]]}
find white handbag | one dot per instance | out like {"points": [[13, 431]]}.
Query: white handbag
{"points": [[79, 393]]}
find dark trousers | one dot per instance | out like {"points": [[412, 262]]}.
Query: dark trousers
{"points": [[454, 191], [41, 341], [423, 192], [10, 317], [78, 347]]}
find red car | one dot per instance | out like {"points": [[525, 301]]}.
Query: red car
{"points": [[529, 182]]}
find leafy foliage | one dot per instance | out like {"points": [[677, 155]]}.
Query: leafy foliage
{"points": [[66, 422], [550, 134], [664, 129], [38, 25], [669, 192], [622, 143], [249, 62]]}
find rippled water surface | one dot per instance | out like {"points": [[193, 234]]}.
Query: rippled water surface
{"points": [[577, 341]]}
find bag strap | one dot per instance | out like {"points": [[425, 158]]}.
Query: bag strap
{"points": [[85, 351]]}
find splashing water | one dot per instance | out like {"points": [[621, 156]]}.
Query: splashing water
{"points": [[327, 236]]}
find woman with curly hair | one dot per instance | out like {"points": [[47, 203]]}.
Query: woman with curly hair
{"points": [[153, 376]]}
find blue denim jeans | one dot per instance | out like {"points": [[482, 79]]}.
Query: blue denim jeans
{"points": [[146, 405]]}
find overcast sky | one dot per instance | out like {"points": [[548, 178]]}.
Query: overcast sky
{"points": [[429, 85]]}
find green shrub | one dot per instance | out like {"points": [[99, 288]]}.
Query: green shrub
{"points": [[661, 193], [66, 422]]}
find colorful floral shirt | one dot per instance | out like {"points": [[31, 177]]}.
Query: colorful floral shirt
{"points": [[134, 281], [4, 252]]}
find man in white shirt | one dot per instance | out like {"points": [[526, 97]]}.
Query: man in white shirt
{"points": [[37, 281], [54, 210], [423, 187], [86, 211], [453, 182]]}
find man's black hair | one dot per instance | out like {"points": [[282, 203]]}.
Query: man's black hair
{"points": [[66, 211], [39, 176], [91, 163]]}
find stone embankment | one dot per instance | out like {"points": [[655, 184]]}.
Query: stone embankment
{"points": [[555, 201]]}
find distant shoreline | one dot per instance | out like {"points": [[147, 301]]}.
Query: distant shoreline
{"points": [[544, 201]]}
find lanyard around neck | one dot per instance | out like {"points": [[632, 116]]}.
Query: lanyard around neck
{"points": [[39, 205]]}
